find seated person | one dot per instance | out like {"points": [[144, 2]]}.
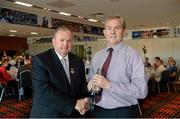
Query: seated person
{"points": [[146, 62], [27, 90], [152, 84], [24, 65], [6, 79], [12, 69], [173, 70], [168, 63], [156, 60], [4, 74], [159, 70]]}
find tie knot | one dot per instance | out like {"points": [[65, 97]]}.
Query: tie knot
{"points": [[110, 49], [64, 59]]}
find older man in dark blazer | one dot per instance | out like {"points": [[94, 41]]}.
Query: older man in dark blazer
{"points": [[59, 90]]}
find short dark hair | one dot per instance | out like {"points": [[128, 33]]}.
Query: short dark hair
{"points": [[62, 28], [158, 58], [147, 58]]}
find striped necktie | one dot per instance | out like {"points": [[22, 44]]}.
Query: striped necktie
{"points": [[66, 69]]}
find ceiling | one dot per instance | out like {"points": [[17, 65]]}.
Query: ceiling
{"points": [[139, 14]]}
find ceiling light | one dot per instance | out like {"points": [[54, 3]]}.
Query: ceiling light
{"points": [[63, 13], [14, 31], [93, 20], [11, 35], [34, 33], [24, 4], [80, 17]]}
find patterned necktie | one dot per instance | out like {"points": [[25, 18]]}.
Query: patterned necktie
{"points": [[106, 63], [66, 69], [104, 72]]}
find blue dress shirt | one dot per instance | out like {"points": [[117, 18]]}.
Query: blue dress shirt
{"points": [[126, 74]]}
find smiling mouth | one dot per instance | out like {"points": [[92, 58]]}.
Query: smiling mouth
{"points": [[113, 36]]}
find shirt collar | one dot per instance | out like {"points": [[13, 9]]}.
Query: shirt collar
{"points": [[117, 47], [60, 57]]}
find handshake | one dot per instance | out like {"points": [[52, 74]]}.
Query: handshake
{"points": [[83, 105], [94, 85]]}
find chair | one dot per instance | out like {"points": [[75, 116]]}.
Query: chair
{"points": [[5, 90], [25, 83], [139, 108], [164, 81], [158, 87], [176, 82]]}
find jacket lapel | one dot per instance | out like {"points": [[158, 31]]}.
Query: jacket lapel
{"points": [[58, 68], [72, 70]]}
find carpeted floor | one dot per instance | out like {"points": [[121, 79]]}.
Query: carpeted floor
{"points": [[161, 106], [157, 106], [13, 108]]}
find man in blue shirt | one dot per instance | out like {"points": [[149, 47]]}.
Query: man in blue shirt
{"points": [[124, 82]]}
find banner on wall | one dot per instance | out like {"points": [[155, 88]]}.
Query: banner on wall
{"points": [[77, 27], [177, 32], [44, 21], [137, 34], [17, 17], [162, 33], [149, 34], [57, 23]]}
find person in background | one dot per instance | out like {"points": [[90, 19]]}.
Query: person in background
{"points": [[27, 90], [168, 63], [124, 83], [156, 60], [146, 62], [13, 69], [159, 70], [5, 17], [149, 70], [6, 79], [24, 65], [58, 79], [173, 70]]}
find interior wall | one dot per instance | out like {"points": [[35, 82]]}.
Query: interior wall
{"points": [[34, 49], [13, 43], [162, 47]]}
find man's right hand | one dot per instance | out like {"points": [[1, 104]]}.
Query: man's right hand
{"points": [[82, 105]]}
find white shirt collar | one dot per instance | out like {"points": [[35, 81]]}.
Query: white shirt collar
{"points": [[60, 57]]}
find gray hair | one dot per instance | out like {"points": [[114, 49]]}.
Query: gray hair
{"points": [[116, 17]]}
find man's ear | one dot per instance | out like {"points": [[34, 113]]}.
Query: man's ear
{"points": [[53, 41], [104, 32], [124, 32]]}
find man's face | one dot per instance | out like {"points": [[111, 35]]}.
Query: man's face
{"points": [[114, 31], [63, 42]]}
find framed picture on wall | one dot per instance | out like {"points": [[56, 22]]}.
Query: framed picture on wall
{"points": [[162, 33], [17, 17], [177, 32], [137, 34]]}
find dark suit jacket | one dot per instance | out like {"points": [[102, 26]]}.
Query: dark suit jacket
{"points": [[53, 95]]}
